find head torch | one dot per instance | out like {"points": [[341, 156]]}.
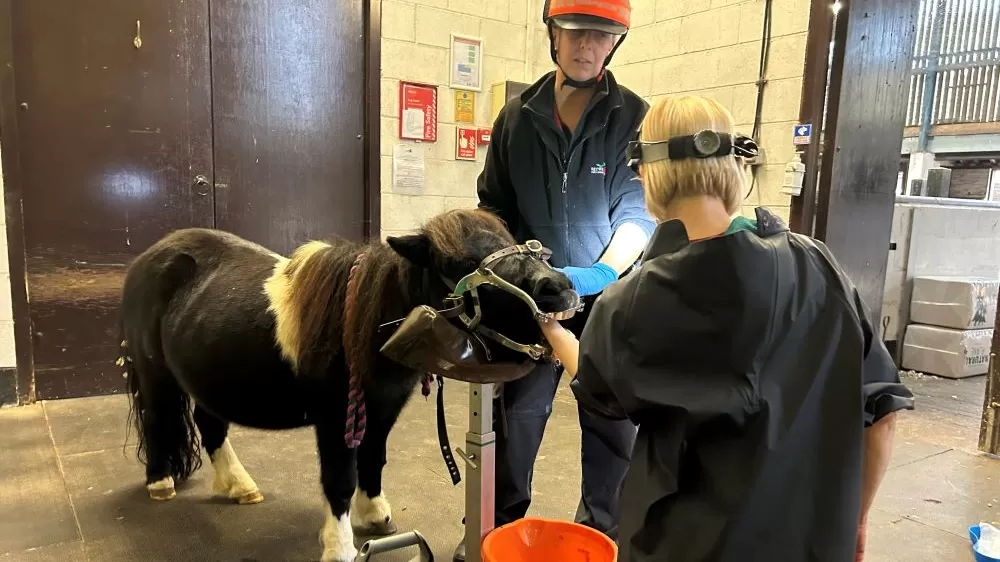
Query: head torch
{"points": [[703, 144]]}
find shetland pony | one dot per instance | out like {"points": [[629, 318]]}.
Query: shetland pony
{"points": [[249, 337]]}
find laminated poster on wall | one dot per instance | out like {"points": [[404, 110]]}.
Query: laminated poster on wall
{"points": [[408, 169], [465, 107], [418, 117], [466, 143], [466, 72]]}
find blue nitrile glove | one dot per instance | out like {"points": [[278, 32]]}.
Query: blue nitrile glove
{"points": [[590, 280]]}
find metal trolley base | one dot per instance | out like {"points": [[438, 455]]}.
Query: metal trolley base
{"points": [[480, 475]]}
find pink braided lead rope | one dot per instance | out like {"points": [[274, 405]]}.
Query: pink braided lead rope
{"points": [[357, 415]]}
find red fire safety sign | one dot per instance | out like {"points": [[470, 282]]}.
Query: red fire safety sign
{"points": [[418, 117], [466, 143]]}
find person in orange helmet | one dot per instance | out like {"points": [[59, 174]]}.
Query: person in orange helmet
{"points": [[555, 172]]}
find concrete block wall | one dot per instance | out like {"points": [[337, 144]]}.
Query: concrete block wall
{"points": [[896, 281], [708, 47], [712, 48], [416, 37], [934, 239]]}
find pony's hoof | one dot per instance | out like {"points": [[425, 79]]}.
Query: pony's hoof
{"points": [[162, 490], [372, 516], [250, 498], [378, 529], [331, 556], [163, 494]]}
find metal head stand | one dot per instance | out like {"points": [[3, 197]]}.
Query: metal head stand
{"points": [[480, 462], [480, 472]]}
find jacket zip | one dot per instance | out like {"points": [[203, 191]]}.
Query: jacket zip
{"points": [[566, 164], [565, 179], [565, 182]]}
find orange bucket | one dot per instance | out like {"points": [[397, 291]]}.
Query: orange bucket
{"points": [[534, 539]]}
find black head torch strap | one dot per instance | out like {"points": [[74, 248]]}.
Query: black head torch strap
{"points": [[703, 144]]}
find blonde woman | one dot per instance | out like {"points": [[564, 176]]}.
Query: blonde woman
{"points": [[764, 400]]}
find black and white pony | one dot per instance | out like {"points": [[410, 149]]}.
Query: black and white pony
{"points": [[249, 337]]}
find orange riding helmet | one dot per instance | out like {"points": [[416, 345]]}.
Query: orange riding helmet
{"points": [[609, 16]]}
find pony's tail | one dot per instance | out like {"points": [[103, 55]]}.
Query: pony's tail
{"points": [[159, 409], [132, 389], [160, 412]]}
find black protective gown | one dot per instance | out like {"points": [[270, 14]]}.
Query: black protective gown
{"points": [[749, 365]]}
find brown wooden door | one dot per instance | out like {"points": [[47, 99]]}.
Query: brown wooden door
{"points": [[288, 85], [258, 131], [112, 138]]}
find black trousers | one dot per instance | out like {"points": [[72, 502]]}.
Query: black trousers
{"points": [[605, 451]]}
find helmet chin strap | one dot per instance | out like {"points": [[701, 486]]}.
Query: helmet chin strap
{"points": [[567, 79]]}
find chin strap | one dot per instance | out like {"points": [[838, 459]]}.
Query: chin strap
{"points": [[568, 81]]}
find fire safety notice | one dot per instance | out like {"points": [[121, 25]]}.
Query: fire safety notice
{"points": [[466, 143], [418, 116]]}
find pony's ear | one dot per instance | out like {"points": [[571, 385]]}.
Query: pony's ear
{"points": [[415, 248]]}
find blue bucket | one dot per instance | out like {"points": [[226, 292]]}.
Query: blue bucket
{"points": [[974, 536]]}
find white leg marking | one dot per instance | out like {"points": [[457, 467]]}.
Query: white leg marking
{"points": [[368, 512], [162, 489], [231, 478], [338, 538]]}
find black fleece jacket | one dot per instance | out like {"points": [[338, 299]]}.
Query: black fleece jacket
{"points": [[571, 194]]}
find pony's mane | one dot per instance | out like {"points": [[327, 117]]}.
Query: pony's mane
{"points": [[316, 280]]}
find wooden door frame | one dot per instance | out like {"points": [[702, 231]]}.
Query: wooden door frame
{"points": [[12, 183], [12, 194], [802, 214], [854, 218], [373, 118]]}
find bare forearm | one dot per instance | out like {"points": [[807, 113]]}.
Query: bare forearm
{"points": [[565, 346], [878, 451], [626, 245]]}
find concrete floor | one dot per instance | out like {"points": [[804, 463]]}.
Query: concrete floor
{"points": [[67, 491]]}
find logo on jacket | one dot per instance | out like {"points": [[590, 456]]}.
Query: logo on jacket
{"points": [[599, 169]]}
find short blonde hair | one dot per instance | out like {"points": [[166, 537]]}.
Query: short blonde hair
{"points": [[667, 180]]}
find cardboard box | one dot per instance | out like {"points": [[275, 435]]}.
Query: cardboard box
{"points": [[947, 352], [964, 303]]}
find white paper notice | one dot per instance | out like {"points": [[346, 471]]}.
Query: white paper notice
{"points": [[413, 123], [408, 169]]}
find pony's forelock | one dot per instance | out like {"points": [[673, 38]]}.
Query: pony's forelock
{"points": [[451, 232]]}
